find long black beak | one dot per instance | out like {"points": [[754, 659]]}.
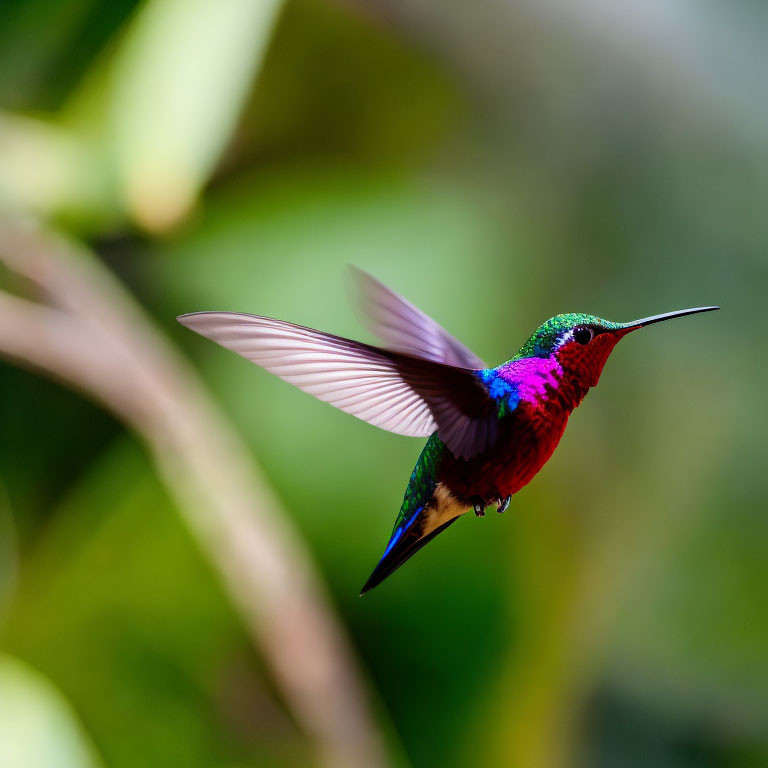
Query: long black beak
{"points": [[666, 316]]}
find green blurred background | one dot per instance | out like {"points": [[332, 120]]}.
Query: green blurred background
{"points": [[495, 162]]}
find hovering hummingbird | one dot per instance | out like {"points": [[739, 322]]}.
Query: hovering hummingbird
{"points": [[490, 430]]}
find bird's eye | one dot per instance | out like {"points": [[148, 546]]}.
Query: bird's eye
{"points": [[583, 335]]}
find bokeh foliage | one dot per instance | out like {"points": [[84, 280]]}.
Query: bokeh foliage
{"points": [[496, 167]]}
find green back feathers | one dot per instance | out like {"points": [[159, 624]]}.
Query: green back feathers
{"points": [[422, 483]]}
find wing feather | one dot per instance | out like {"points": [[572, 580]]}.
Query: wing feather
{"points": [[395, 391], [404, 327]]}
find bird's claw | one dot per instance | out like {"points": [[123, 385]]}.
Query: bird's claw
{"points": [[479, 506], [502, 504]]}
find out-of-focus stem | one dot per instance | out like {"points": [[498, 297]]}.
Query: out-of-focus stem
{"points": [[90, 333]]}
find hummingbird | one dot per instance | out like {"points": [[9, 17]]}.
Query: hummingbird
{"points": [[489, 430]]}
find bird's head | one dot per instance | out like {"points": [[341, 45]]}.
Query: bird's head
{"points": [[582, 343]]}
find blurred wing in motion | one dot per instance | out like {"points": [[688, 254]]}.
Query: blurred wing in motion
{"points": [[406, 328], [397, 392]]}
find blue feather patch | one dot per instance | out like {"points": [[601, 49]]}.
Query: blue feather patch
{"points": [[399, 532], [395, 538], [500, 390]]}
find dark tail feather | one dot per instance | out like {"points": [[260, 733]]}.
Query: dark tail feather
{"points": [[408, 546]]}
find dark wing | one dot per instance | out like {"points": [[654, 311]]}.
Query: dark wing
{"points": [[405, 327], [398, 392]]}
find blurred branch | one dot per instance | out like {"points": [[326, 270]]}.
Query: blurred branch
{"points": [[89, 333]]}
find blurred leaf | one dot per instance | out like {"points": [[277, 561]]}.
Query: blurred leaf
{"points": [[180, 81], [49, 170], [48, 44], [38, 728]]}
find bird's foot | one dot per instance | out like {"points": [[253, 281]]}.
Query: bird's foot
{"points": [[502, 504], [478, 505]]}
